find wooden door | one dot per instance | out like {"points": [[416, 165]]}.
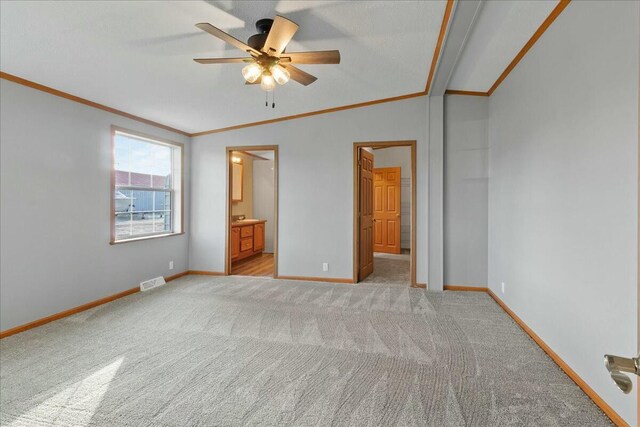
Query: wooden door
{"points": [[235, 242], [386, 210], [365, 167]]}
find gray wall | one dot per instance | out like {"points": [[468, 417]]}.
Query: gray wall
{"points": [[466, 160], [316, 185], [263, 198], [436, 192], [399, 157], [55, 250], [563, 190]]}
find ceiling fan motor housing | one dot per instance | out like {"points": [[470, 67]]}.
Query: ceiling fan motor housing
{"points": [[263, 26]]}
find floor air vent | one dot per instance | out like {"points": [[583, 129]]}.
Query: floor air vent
{"points": [[153, 283]]}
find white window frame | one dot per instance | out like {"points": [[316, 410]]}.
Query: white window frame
{"points": [[176, 190]]}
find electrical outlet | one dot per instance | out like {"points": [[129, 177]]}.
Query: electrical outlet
{"points": [[503, 287], [170, 265], [325, 266]]}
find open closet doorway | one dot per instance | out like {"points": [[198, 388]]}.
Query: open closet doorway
{"points": [[385, 212], [252, 211]]}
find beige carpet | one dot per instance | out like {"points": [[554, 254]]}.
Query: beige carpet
{"points": [[228, 351]]}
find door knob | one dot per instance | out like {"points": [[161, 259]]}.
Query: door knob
{"points": [[616, 365]]}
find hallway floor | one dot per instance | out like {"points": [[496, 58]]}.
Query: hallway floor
{"points": [[390, 270]]}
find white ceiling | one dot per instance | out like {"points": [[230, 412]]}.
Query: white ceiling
{"points": [[499, 33], [136, 56]]}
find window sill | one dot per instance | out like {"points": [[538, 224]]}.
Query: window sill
{"points": [[139, 239]]}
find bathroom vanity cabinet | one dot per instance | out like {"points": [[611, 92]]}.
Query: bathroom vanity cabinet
{"points": [[247, 238]]}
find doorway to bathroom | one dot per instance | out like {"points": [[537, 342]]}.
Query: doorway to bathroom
{"points": [[252, 211]]}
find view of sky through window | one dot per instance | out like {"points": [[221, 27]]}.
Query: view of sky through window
{"points": [[136, 155]]}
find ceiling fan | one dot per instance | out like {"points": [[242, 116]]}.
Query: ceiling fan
{"points": [[268, 62]]}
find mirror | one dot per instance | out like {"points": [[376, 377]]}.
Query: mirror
{"points": [[236, 179]]}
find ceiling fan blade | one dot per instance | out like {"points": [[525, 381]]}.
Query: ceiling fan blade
{"points": [[222, 60], [216, 32], [280, 34], [318, 57], [300, 76]]}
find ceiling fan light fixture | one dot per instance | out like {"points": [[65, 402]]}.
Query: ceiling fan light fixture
{"points": [[280, 74], [267, 83], [252, 72], [267, 49]]}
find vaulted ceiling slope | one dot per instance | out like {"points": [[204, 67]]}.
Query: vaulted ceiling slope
{"points": [[499, 33], [138, 56]]}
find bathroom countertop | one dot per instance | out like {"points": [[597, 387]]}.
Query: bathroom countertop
{"points": [[247, 222]]}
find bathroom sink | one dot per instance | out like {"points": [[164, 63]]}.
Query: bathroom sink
{"points": [[246, 221]]}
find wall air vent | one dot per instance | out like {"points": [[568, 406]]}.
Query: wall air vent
{"points": [[153, 283]]}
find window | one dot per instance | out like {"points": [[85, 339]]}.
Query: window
{"points": [[146, 187]]}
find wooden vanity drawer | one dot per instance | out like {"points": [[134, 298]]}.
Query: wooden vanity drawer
{"points": [[246, 231], [246, 244]]}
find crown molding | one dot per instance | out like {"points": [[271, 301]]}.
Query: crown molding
{"points": [[436, 52], [311, 113], [434, 62], [465, 92], [562, 4], [56, 92], [436, 56]]}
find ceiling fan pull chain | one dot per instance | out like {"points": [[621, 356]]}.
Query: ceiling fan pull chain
{"points": [[266, 99], [273, 99]]}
